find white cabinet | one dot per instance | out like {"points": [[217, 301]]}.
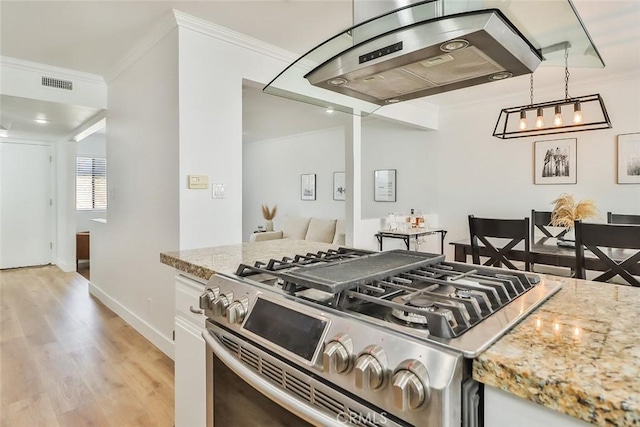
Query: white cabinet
{"points": [[502, 409], [190, 369]]}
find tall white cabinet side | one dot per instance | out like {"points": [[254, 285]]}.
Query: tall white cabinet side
{"points": [[189, 358]]}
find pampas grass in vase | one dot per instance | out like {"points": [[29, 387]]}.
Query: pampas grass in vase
{"points": [[566, 212], [268, 215]]}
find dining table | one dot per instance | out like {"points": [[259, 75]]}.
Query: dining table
{"points": [[549, 251]]}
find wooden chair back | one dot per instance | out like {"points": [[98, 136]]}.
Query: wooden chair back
{"points": [[481, 229], [542, 220], [614, 236], [622, 219]]}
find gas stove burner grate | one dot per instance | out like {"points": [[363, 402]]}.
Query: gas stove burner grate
{"points": [[274, 266], [414, 289]]}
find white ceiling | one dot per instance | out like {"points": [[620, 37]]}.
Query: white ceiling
{"points": [[91, 36]]}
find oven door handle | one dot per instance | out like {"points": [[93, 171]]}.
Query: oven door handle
{"points": [[271, 391]]}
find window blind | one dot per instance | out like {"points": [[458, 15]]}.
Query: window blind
{"points": [[91, 183]]}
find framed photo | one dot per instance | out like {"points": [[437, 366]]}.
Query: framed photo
{"points": [[384, 185], [555, 161], [308, 186], [339, 186], [629, 158]]}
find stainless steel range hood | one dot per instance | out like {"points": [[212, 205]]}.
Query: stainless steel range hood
{"points": [[440, 55], [430, 47]]}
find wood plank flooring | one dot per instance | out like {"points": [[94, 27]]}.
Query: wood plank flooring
{"points": [[67, 360]]}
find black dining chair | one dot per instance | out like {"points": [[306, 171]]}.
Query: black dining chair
{"points": [[513, 231], [541, 220], [623, 219], [614, 237]]}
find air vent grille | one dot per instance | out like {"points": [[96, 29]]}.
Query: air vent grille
{"points": [[297, 384], [231, 345], [57, 83]]}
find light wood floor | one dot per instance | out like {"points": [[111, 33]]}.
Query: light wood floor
{"points": [[67, 360]]}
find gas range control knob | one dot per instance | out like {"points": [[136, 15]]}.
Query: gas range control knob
{"points": [[206, 299], [410, 386], [370, 368], [337, 355], [221, 302], [237, 310]]}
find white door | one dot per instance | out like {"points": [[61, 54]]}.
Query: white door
{"points": [[26, 214]]}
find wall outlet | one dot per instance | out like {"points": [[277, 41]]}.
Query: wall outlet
{"points": [[149, 305]]}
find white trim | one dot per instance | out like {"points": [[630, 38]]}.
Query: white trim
{"points": [[64, 266], [207, 28], [50, 70], [159, 32], [162, 342]]}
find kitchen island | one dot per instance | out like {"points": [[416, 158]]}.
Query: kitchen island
{"points": [[578, 354]]}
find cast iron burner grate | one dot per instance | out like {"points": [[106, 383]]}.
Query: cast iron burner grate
{"points": [[414, 288]]}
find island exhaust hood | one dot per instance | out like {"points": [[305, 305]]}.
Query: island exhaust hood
{"points": [[398, 52], [440, 55]]}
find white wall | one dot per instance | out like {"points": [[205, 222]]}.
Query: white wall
{"points": [[212, 68], [94, 146], [271, 176], [485, 176], [410, 151], [142, 159]]}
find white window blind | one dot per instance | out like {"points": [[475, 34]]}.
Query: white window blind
{"points": [[91, 184]]}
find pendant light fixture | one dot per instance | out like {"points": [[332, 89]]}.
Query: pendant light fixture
{"points": [[513, 122]]}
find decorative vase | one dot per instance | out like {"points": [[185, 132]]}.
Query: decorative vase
{"points": [[268, 225]]}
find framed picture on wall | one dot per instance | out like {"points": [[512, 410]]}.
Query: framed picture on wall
{"points": [[308, 186], [384, 185], [555, 161], [629, 158], [339, 186]]}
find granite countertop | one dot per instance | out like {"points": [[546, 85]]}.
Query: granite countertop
{"points": [[579, 354], [203, 263]]}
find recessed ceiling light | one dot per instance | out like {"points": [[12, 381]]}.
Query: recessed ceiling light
{"points": [[392, 101], [329, 110], [42, 121]]}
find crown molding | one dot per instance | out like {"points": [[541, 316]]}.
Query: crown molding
{"points": [[157, 34], [216, 31], [50, 70]]}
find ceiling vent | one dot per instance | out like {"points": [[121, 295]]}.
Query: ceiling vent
{"points": [[57, 83]]}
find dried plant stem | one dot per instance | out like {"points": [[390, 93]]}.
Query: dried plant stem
{"points": [[269, 214]]}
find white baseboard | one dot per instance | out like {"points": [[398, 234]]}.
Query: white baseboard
{"points": [[162, 342], [65, 266]]}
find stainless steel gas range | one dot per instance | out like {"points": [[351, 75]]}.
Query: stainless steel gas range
{"points": [[351, 337]]}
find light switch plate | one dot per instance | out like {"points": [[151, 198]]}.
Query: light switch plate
{"points": [[198, 182], [217, 191]]}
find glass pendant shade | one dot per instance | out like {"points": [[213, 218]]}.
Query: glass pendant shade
{"points": [[523, 120], [557, 118]]}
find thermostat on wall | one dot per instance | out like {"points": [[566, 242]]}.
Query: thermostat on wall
{"points": [[198, 182]]}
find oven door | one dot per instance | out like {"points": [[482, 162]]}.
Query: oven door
{"points": [[247, 386]]}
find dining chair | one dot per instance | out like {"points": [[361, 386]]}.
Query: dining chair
{"points": [[482, 229], [622, 219], [615, 237], [541, 220]]}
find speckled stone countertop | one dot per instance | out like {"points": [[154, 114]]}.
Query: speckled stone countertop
{"points": [[579, 354], [226, 259]]}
